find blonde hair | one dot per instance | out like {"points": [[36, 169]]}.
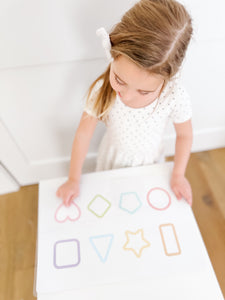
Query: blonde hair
{"points": [[154, 34]]}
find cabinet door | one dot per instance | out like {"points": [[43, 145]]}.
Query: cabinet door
{"points": [[49, 56], [39, 115]]}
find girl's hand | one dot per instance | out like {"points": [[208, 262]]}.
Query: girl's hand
{"points": [[181, 188], [68, 191]]}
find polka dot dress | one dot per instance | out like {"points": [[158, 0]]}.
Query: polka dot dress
{"points": [[134, 135]]}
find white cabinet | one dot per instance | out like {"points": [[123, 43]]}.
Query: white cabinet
{"points": [[7, 183], [40, 113], [50, 54]]}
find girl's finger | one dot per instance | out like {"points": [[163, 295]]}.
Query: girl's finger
{"points": [[66, 200], [189, 199], [69, 199], [177, 194], [188, 196]]}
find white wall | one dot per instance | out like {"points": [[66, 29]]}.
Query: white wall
{"points": [[49, 55], [204, 73]]}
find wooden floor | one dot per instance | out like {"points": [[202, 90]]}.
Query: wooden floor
{"points": [[18, 225]]}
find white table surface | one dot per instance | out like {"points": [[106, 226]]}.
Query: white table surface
{"points": [[201, 283]]}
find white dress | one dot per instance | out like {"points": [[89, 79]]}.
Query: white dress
{"points": [[134, 135]]}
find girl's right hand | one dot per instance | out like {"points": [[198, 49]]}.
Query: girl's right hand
{"points": [[68, 191]]}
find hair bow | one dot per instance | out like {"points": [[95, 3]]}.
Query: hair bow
{"points": [[106, 43]]}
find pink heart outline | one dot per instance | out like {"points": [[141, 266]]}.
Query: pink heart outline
{"points": [[67, 217]]}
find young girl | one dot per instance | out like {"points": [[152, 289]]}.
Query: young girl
{"points": [[137, 95]]}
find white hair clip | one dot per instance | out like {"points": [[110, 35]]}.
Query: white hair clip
{"points": [[106, 43]]}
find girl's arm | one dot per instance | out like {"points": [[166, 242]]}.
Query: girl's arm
{"points": [[179, 183], [81, 143], [70, 189]]}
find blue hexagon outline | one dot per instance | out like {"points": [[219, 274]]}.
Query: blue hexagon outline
{"points": [[133, 211]]}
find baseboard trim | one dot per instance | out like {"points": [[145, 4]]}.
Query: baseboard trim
{"points": [[29, 173], [204, 140]]}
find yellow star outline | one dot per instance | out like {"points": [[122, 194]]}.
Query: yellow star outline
{"points": [[139, 231]]}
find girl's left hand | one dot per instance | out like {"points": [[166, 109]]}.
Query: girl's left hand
{"points": [[181, 188]]}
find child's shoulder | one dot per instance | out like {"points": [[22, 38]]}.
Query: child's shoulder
{"points": [[174, 87], [92, 96], [177, 100]]}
